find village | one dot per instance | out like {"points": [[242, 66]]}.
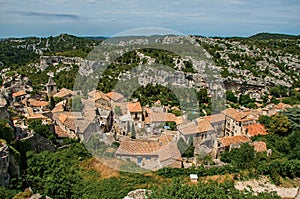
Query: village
{"points": [[151, 113], [147, 136]]}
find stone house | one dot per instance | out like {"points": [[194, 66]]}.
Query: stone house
{"points": [[228, 143], [235, 121], [151, 155], [115, 97], [135, 110], [64, 93], [18, 96], [155, 121]]}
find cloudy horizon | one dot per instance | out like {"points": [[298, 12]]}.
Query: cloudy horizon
{"points": [[106, 18]]}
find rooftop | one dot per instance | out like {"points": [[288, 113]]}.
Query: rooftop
{"points": [[64, 92], [115, 96], [138, 147], [19, 93], [240, 116], [38, 103], [227, 141], [188, 129], [256, 129], [134, 107], [96, 95], [162, 117]]}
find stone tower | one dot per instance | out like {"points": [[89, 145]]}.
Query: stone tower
{"points": [[51, 87]]}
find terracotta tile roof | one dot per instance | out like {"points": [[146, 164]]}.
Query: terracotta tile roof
{"points": [[256, 129], [227, 141], [188, 129], [19, 93], [283, 106], [70, 123], [58, 108], [68, 119], [32, 115], [214, 118], [164, 150], [170, 151], [138, 147], [240, 116], [100, 95], [60, 132], [162, 117], [62, 118], [260, 146], [37, 103], [64, 92], [204, 126], [166, 139], [134, 107], [115, 96], [179, 120]]}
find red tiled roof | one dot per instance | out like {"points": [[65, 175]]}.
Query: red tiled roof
{"points": [[163, 117], [188, 129], [204, 126], [70, 123], [63, 93], [115, 96], [214, 118], [227, 141], [134, 107], [62, 118], [60, 132], [239, 115], [138, 147], [37, 103], [256, 129], [100, 95], [170, 151], [260, 146], [283, 106], [19, 93]]}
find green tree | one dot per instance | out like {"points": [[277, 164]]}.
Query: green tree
{"points": [[231, 97], [264, 119], [280, 124], [242, 157], [132, 131], [202, 96], [52, 103], [6, 131], [44, 130]]}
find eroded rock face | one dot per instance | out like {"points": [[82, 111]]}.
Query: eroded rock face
{"points": [[4, 164], [46, 61], [138, 194]]}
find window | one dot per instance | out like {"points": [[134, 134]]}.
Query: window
{"points": [[139, 160], [148, 158]]}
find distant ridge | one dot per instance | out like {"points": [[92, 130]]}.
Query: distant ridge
{"points": [[273, 36]]}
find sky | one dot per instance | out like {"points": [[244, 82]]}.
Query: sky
{"points": [[20, 18]]}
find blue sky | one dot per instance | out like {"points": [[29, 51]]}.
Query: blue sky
{"points": [[109, 17]]}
